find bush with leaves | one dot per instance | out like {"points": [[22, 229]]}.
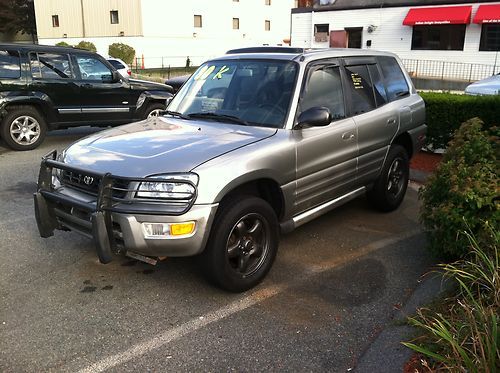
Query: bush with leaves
{"points": [[464, 188], [463, 334], [446, 111], [122, 51], [87, 45], [63, 44]]}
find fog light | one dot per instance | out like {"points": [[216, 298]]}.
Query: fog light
{"points": [[182, 229], [167, 230]]}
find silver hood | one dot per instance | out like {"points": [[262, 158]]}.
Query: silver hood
{"points": [[160, 145]]}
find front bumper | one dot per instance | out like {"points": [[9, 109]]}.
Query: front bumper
{"points": [[114, 224]]}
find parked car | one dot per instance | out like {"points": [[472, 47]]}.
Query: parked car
{"points": [[253, 145], [46, 87], [120, 66], [488, 86], [177, 82]]}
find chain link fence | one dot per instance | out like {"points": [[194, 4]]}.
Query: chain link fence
{"points": [[445, 70]]}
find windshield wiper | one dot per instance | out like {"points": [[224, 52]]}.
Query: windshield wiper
{"points": [[219, 117], [176, 114]]}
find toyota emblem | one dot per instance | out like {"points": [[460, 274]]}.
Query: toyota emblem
{"points": [[88, 180]]}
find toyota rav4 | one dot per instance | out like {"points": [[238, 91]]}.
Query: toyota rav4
{"points": [[255, 143]]}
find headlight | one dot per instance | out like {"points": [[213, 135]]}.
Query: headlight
{"points": [[175, 188]]}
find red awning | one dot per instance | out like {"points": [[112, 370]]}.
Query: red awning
{"points": [[488, 14], [450, 15]]}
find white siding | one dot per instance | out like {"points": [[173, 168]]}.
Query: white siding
{"points": [[390, 34], [169, 35]]}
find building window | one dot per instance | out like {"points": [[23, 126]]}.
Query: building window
{"points": [[55, 20], [438, 37], [268, 2], [321, 32], [113, 15], [267, 25], [198, 22], [490, 37], [236, 23]]}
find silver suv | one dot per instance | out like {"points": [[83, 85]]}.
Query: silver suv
{"points": [[255, 143]]}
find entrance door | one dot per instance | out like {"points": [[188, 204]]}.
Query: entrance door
{"points": [[354, 37]]}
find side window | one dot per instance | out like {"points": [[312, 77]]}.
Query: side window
{"points": [[50, 66], [324, 88], [10, 67], [394, 79], [378, 85], [93, 69], [360, 89]]}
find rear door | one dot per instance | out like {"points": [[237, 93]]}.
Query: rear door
{"points": [[53, 74], [103, 100], [326, 156], [377, 123]]}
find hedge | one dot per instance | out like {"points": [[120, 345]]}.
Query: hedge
{"points": [[122, 51], [446, 112]]}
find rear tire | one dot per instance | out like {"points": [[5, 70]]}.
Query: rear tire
{"points": [[390, 188], [23, 128], [242, 245], [154, 110]]}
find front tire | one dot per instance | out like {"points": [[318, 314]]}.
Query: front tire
{"points": [[242, 245], [154, 110], [390, 187], [23, 128]]}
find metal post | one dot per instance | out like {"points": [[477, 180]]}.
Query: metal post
{"points": [[416, 70], [442, 72], [470, 72]]}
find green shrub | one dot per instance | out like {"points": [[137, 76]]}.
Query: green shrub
{"points": [[63, 44], [446, 111], [463, 334], [122, 51], [87, 45], [464, 188]]}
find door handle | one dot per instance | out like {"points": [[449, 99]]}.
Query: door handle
{"points": [[348, 136], [391, 121], [87, 85]]}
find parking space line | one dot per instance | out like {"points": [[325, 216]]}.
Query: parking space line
{"points": [[256, 297]]}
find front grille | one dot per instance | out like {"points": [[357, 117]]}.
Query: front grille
{"points": [[90, 184]]}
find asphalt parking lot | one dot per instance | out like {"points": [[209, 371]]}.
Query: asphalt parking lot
{"points": [[336, 284]]}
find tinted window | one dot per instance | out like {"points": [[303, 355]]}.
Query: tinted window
{"points": [[9, 64], [360, 89], [117, 65], [324, 88], [93, 69], [378, 85], [438, 37], [394, 79], [490, 37], [50, 66]]}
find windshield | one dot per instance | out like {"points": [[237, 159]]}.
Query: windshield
{"points": [[254, 92]]}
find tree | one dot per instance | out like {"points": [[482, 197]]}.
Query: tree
{"points": [[87, 45], [18, 16]]}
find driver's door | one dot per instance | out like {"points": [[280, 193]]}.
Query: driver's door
{"points": [[326, 156], [102, 99]]}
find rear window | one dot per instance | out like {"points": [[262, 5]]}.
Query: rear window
{"points": [[10, 67], [394, 79], [50, 66], [117, 65]]}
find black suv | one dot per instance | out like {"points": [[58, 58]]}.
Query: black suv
{"points": [[45, 87]]}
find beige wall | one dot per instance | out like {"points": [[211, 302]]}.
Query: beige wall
{"points": [[96, 16]]}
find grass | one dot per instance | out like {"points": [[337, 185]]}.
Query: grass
{"points": [[462, 333]]}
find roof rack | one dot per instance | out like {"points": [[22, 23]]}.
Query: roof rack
{"points": [[290, 50]]}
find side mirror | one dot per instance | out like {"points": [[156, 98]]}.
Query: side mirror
{"points": [[168, 100], [318, 116], [116, 77]]}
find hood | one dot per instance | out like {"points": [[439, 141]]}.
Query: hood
{"points": [[160, 145], [145, 85], [488, 86]]}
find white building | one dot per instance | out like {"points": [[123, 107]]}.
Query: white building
{"points": [[165, 32], [435, 30]]}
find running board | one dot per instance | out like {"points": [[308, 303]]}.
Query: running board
{"points": [[313, 213]]}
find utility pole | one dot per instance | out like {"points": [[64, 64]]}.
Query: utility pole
{"points": [[83, 18]]}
